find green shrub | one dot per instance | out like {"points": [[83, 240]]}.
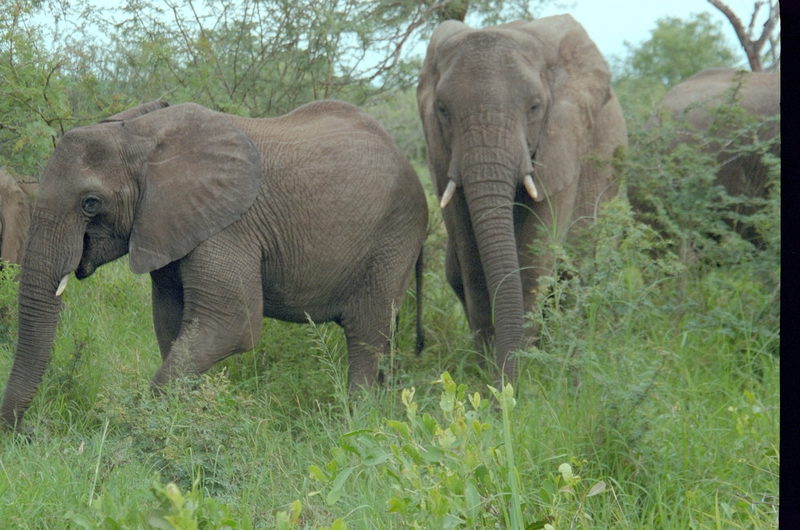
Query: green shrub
{"points": [[451, 469], [672, 183]]}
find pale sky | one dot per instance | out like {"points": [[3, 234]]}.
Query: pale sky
{"points": [[612, 22]]}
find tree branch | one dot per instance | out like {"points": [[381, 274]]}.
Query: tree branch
{"points": [[752, 48]]}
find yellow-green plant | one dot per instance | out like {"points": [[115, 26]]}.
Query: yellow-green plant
{"points": [[452, 470]]}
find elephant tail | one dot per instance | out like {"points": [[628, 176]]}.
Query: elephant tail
{"points": [[418, 273]]}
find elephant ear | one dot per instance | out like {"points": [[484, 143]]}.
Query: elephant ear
{"points": [[16, 218], [426, 93], [580, 83], [202, 174], [135, 112]]}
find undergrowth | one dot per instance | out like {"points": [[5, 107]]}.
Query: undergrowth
{"points": [[651, 399]]}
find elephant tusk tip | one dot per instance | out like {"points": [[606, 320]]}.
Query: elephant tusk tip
{"points": [[62, 285], [448, 193], [530, 187]]}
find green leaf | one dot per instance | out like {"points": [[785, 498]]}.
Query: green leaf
{"points": [[411, 451], [537, 525], [432, 453], [337, 489], [400, 427], [545, 495], [482, 474], [396, 504], [81, 520], [156, 519], [598, 488], [317, 473], [473, 500], [566, 471], [333, 497], [429, 423], [339, 524], [376, 457]]}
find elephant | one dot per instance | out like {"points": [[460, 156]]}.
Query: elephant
{"points": [[514, 117], [315, 214], [691, 103], [16, 203]]}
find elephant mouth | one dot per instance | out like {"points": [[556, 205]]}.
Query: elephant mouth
{"points": [[98, 251], [84, 270]]}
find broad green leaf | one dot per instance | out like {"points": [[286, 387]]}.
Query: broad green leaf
{"points": [[598, 488], [317, 473], [400, 427], [431, 453]]}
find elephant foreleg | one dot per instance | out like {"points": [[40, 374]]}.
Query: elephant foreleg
{"points": [[469, 284], [167, 305], [222, 310]]}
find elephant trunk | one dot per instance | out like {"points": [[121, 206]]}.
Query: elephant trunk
{"points": [[489, 190], [42, 267]]}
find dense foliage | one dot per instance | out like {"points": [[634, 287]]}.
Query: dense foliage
{"points": [[651, 400]]}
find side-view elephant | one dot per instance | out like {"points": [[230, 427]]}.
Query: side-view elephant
{"points": [[314, 214], [16, 204], [690, 105], [514, 116]]}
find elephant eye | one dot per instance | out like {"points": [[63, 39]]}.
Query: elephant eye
{"points": [[91, 206], [443, 110]]}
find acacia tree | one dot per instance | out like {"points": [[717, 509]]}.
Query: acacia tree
{"points": [[754, 46], [265, 57], [34, 107], [248, 57]]}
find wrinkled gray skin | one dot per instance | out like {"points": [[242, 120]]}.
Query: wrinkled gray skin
{"points": [[758, 93], [316, 212], [498, 104], [16, 204]]}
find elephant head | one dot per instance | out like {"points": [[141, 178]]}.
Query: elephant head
{"points": [[152, 184], [510, 114], [15, 218]]}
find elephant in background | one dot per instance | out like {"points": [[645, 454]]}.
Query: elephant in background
{"points": [[314, 214], [16, 203], [691, 103], [513, 115]]}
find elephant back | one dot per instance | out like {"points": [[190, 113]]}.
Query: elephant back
{"points": [[757, 93]]}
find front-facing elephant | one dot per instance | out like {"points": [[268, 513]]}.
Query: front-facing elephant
{"points": [[314, 214], [514, 117]]}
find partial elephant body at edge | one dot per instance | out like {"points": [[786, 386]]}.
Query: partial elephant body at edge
{"points": [[313, 214], [690, 105], [16, 203], [513, 115]]}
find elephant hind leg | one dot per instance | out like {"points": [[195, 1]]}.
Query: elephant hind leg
{"points": [[367, 339], [368, 314]]}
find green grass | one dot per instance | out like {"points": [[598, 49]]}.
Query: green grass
{"points": [[656, 377]]}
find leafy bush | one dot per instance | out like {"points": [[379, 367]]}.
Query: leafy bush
{"points": [[455, 470], [672, 178]]}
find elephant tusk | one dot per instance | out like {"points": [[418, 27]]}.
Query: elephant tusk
{"points": [[448, 193], [530, 186], [62, 285]]}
